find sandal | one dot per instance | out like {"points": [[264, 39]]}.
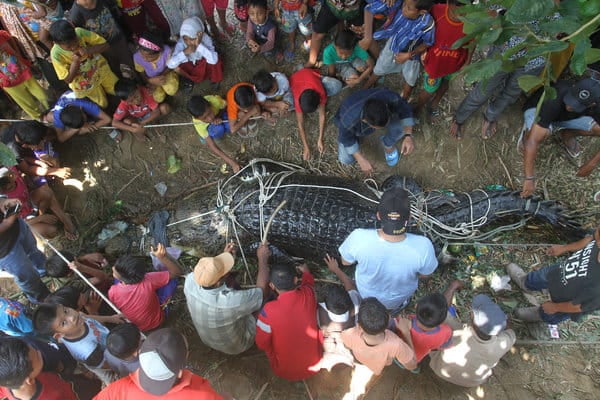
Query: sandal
{"points": [[488, 129], [571, 146], [289, 54], [456, 130]]}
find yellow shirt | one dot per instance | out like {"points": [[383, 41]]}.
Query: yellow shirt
{"points": [[90, 68], [217, 104]]}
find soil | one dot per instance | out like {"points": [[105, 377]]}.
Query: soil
{"points": [[117, 182]]}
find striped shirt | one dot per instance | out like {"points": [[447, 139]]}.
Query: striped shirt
{"points": [[222, 316], [405, 34]]}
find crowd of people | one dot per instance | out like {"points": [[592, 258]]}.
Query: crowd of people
{"points": [[98, 80]]}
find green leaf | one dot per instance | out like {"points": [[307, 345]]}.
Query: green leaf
{"points": [[592, 55], [524, 11], [528, 82], [490, 36], [578, 64], [551, 47], [7, 156], [590, 8], [482, 70]]}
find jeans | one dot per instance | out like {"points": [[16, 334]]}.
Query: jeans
{"points": [[394, 132], [504, 86], [23, 261], [538, 280], [331, 85], [584, 123]]}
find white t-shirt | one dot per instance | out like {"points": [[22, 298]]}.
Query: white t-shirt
{"points": [[388, 271], [283, 87]]}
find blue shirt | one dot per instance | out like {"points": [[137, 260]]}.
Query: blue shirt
{"points": [[68, 99], [12, 318], [405, 34], [350, 114]]}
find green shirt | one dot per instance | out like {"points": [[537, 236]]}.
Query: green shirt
{"points": [[330, 55]]}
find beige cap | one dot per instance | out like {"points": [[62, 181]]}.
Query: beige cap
{"points": [[209, 270]]}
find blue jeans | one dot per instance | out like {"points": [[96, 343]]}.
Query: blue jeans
{"points": [[394, 132], [23, 261], [538, 280]]}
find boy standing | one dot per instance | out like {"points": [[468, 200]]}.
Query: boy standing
{"points": [[76, 57], [294, 13], [310, 92], [286, 328], [411, 32]]}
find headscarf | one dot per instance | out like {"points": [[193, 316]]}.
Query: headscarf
{"points": [[191, 26]]}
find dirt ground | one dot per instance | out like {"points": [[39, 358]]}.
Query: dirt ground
{"points": [[117, 182]]}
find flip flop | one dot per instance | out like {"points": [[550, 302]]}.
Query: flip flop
{"points": [[488, 129], [71, 235], [116, 135], [456, 130], [289, 55], [571, 146]]}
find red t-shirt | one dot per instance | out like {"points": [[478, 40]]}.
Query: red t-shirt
{"points": [[146, 106], [287, 331], [49, 387], [190, 386], [440, 59], [20, 192], [304, 79], [14, 69], [139, 302], [425, 341], [232, 108]]}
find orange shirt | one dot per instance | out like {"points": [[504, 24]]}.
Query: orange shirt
{"points": [[232, 108]]}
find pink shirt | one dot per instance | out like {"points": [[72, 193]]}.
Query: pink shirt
{"points": [[139, 302]]}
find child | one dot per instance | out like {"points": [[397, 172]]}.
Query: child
{"points": [[13, 320], [96, 16], [426, 330], [122, 349], [411, 32], [337, 313], [373, 345], [240, 9], [441, 61], [136, 109], [77, 60], [242, 109], [83, 336], [294, 13], [21, 375], [346, 60], [79, 299], [17, 80], [13, 185], [38, 17], [209, 10], [151, 62], [71, 116], [194, 56], [135, 295], [261, 34], [310, 92], [273, 91], [90, 265], [211, 122]]}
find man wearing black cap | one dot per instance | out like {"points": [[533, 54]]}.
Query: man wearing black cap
{"points": [[163, 356], [575, 111], [389, 260]]}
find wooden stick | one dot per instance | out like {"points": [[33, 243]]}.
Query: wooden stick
{"points": [[512, 186], [554, 342], [279, 207], [127, 184]]}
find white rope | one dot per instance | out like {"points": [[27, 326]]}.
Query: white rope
{"points": [[86, 280], [192, 218]]}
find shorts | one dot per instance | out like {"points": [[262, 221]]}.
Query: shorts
{"points": [[290, 20], [326, 20], [241, 11], [432, 85], [347, 70], [387, 65], [584, 123]]}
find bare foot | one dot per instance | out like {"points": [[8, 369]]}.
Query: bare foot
{"points": [[456, 130]]}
